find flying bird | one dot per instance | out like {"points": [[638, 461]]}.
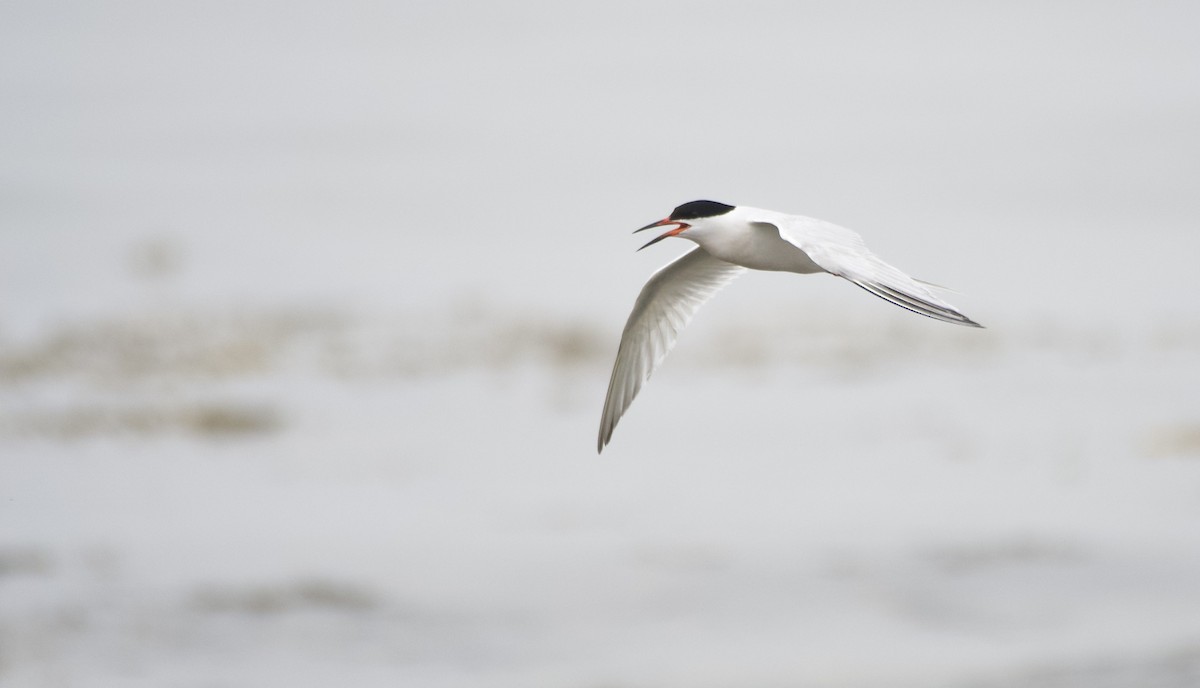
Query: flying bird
{"points": [[732, 239]]}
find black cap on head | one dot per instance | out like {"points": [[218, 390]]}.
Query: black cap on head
{"points": [[699, 209]]}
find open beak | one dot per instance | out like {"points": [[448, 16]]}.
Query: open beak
{"points": [[669, 233]]}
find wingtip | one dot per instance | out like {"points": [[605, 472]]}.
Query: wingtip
{"points": [[917, 304], [969, 322], [602, 440]]}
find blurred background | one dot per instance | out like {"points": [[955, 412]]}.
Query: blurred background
{"points": [[307, 312]]}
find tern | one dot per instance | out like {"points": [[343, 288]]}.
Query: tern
{"points": [[732, 239]]}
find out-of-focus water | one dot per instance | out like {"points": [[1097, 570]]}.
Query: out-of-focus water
{"points": [[306, 313]]}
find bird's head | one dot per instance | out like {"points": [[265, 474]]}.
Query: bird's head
{"points": [[689, 216]]}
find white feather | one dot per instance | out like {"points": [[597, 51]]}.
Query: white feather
{"points": [[663, 308]]}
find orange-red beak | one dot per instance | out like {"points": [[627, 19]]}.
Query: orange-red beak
{"points": [[669, 233]]}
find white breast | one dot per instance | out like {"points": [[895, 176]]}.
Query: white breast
{"points": [[757, 246]]}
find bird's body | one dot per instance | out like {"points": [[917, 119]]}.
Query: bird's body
{"points": [[732, 239], [753, 245]]}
